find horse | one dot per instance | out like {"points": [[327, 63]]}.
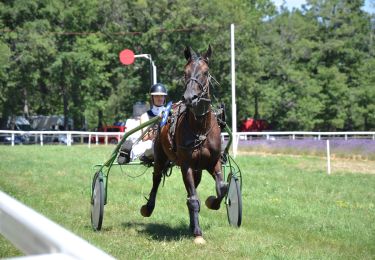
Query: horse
{"points": [[196, 143]]}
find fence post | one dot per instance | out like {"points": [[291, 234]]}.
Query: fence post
{"points": [[89, 141], [69, 139], [328, 159], [41, 139], [235, 144]]}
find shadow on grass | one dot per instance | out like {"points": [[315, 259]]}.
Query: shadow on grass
{"points": [[160, 232]]}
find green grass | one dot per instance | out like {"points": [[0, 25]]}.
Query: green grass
{"points": [[291, 208]]}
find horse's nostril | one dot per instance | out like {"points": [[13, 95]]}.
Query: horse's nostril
{"points": [[194, 97]]}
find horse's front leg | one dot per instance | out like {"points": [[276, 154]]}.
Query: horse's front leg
{"points": [[148, 208], [193, 202], [221, 186]]}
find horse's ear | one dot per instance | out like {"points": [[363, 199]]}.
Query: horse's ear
{"points": [[187, 53], [208, 53]]}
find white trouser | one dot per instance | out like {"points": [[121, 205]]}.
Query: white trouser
{"points": [[142, 147]]}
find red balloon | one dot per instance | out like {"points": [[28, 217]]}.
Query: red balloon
{"points": [[127, 57]]}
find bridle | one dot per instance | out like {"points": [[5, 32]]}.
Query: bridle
{"points": [[203, 87], [204, 96]]}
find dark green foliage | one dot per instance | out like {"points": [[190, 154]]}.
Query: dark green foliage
{"points": [[309, 69]]}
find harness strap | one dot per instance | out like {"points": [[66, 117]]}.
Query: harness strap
{"points": [[173, 123], [198, 139]]}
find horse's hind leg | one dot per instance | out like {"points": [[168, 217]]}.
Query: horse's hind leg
{"points": [[221, 186], [159, 165], [148, 208]]}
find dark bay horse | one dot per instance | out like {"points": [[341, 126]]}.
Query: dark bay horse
{"points": [[196, 143]]}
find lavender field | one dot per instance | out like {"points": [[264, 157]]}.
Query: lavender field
{"points": [[358, 148]]}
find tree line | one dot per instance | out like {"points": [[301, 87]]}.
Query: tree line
{"points": [[300, 69]]}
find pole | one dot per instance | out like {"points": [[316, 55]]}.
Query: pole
{"points": [[234, 108], [152, 66], [154, 73], [328, 159], [151, 72]]}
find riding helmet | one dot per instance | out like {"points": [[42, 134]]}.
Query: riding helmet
{"points": [[158, 89]]}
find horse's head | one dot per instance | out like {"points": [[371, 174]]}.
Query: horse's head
{"points": [[197, 83]]}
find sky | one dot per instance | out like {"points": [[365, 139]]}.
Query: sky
{"points": [[297, 3]]}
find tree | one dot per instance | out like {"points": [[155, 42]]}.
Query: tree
{"points": [[307, 69]]}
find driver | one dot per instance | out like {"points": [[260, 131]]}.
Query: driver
{"points": [[144, 148]]}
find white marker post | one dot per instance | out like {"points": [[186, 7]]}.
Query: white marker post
{"points": [[328, 159], [234, 107]]}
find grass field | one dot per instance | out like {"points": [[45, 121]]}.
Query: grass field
{"points": [[291, 208]]}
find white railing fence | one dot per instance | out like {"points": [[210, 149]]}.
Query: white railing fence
{"points": [[36, 235], [64, 137], [71, 137], [293, 135]]}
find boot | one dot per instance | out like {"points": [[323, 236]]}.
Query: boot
{"points": [[123, 157], [124, 154]]}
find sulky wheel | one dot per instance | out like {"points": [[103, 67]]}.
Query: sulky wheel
{"points": [[97, 201], [234, 202]]}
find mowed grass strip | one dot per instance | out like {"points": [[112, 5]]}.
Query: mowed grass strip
{"points": [[291, 207]]}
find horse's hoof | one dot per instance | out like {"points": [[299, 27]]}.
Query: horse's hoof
{"points": [[211, 203], [199, 240], [145, 212]]}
